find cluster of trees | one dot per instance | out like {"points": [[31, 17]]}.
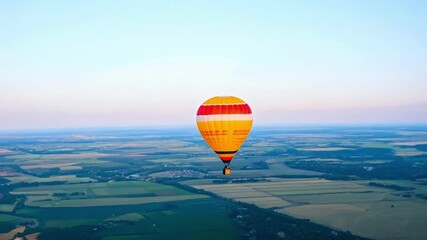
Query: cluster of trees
{"points": [[397, 169], [391, 186]]}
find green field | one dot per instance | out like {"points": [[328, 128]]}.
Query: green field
{"points": [[62, 178], [129, 209], [130, 217], [6, 218], [104, 189], [102, 194], [110, 201], [149, 221], [7, 207]]}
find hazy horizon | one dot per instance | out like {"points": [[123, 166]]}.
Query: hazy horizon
{"points": [[179, 128], [117, 64]]}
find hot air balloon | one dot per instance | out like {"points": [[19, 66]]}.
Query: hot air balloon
{"points": [[225, 123]]}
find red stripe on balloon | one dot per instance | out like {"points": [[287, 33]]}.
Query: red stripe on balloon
{"points": [[226, 159], [224, 109]]}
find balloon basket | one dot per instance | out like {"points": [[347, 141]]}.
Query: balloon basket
{"points": [[226, 171]]}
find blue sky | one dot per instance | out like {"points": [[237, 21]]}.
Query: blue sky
{"points": [[137, 63]]}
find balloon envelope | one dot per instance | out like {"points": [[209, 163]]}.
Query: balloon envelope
{"points": [[225, 123]]}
